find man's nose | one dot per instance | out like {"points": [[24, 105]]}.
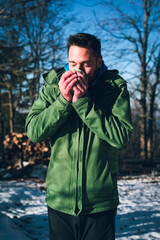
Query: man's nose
{"points": [[80, 67]]}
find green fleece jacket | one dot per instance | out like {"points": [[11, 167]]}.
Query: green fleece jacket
{"points": [[84, 138]]}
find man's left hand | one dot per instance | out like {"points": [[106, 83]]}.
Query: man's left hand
{"points": [[80, 87]]}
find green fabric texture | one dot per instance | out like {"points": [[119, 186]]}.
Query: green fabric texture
{"points": [[84, 138]]}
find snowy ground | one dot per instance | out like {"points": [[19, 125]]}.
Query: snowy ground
{"points": [[139, 210], [23, 212]]}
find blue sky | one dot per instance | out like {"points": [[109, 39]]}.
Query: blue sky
{"points": [[84, 12], [88, 14]]}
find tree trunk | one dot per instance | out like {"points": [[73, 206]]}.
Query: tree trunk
{"points": [[151, 123], [152, 118], [143, 115], [10, 98], [1, 130]]}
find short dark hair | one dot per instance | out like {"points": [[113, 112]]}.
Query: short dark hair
{"points": [[87, 41]]}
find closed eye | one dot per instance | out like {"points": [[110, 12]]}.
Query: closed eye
{"points": [[83, 64], [87, 64]]}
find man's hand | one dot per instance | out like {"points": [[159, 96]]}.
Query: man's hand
{"points": [[80, 87], [66, 83]]}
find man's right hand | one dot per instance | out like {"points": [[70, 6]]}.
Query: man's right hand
{"points": [[66, 83]]}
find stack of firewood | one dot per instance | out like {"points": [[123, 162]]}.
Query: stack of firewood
{"points": [[18, 148]]}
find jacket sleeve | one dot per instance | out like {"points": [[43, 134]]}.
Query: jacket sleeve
{"points": [[114, 125], [46, 116]]}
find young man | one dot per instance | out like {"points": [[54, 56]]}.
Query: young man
{"points": [[84, 110]]}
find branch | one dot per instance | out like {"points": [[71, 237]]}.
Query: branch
{"points": [[20, 13]]}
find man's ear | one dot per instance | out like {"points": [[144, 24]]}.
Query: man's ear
{"points": [[99, 62]]}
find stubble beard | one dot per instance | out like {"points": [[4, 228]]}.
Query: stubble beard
{"points": [[94, 76]]}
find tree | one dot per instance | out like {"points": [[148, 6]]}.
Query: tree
{"points": [[153, 85], [42, 42], [13, 60], [26, 27], [136, 27], [11, 76]]}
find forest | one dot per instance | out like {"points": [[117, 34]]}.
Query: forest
{"points": [[32, 42]]}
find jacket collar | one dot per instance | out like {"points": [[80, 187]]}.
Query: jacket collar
{"points": [[101, 71]]}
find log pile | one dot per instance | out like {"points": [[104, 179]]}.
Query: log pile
{"points": [[18, 149]]}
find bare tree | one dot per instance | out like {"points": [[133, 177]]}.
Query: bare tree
{"points": [[11, 76], [153, 92], [135, 25], [26, 51], [40, 33], [13, 60]]}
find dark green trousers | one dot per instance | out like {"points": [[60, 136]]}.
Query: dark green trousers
{"points": [[98, 226]]}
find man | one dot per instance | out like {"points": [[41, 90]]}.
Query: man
{"points": [[84, 110]]}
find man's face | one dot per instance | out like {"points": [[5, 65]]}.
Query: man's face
{"points": [[84, 59]]}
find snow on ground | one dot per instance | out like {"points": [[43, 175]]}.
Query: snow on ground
{"points": [[139, 210], [24, 203], [24, 212]]}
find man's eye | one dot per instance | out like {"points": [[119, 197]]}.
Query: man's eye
{"points": [[73, 64], [87, 65]]}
